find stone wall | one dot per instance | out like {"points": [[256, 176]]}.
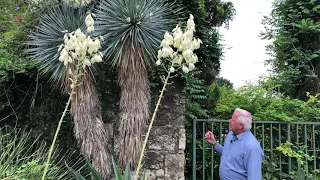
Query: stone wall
{"points": [[165, 158]]}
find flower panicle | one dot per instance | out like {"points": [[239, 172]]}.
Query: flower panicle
{"points": [[179, 47], [79, 47], [77, 3]]}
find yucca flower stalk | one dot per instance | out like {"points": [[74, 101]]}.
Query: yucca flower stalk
{"points": [[77, 53], [176, 52]]}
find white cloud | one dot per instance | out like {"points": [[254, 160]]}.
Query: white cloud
{"points": [[244, 61]]}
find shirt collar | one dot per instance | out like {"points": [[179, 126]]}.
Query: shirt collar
{"points": [[242, 135]]}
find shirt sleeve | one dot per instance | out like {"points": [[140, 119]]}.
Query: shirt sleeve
{"points": [[219, 149], [253, 163]]}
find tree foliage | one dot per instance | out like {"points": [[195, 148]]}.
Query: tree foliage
{"points": [[294, 27], [16, 18], [264, 104]]}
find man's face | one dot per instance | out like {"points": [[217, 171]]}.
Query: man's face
{"points": [[235, 127]]}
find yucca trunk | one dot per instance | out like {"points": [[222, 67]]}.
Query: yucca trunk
{"points": [[89, 128], [134, 109]]}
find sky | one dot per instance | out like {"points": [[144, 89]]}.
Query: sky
{"points": [[244, 59]]}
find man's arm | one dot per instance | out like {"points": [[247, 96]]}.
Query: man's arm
{"points": [[218, 148], [253, 163]]}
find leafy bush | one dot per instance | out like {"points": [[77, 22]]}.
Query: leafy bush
{"points": [[301, 169], [264, 104]]}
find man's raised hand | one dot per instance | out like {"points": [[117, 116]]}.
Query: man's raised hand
{"points": [[209, 136]]}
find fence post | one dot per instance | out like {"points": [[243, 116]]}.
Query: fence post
{"points": [[289, 140], [194, 140]]}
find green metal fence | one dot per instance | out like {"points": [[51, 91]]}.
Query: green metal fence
{"points": [[270, 134]]}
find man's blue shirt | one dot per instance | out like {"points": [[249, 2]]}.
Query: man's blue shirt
{"points": [[241, 157]]}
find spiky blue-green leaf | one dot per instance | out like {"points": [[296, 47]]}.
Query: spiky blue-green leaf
{"points": [[48, 35], [134, 29]]}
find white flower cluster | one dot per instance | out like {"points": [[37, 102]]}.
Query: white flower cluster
{"points": [[78, 3], [89, 23], [78, 46], [179, 47]]}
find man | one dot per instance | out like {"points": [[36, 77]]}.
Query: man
{"points": [[241, 155]]}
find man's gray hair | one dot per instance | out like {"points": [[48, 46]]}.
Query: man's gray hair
{"points": [[244, 118]]}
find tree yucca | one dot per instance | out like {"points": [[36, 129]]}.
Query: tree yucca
{"points": [[45, 42], [133, 30]]}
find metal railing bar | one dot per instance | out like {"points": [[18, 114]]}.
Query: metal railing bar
{"points": [[314, 148], [262, 136], [271, 142], [220, 131], [212, 155], [203, 151], [289, 139], [194, 149], [305, 139], [280, 159], [297, 132]]}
